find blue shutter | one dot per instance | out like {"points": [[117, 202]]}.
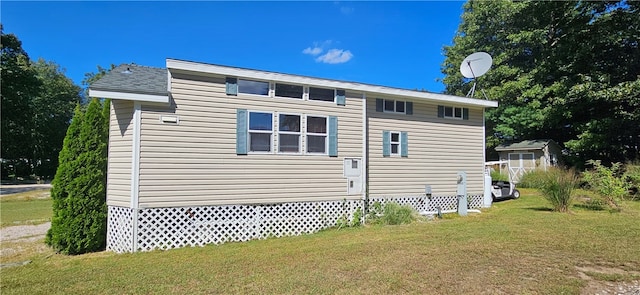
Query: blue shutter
{"points": [[333, 136], [341, 98], [241, 132], [404, 144], [409, 107], [386, 143], [440, 111], [465, 114], [232, 86], [379, 105]]}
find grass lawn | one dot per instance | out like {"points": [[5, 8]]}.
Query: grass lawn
{"points": [[32, 207], [516, 247]]}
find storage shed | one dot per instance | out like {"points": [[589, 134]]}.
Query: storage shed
{"points": [[529, 155], [202, 153]]}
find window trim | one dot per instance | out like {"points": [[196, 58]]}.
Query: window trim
{"points": [[391, 143], [299, 133], [309, 94], [395, 106], [307, 133], [302, 97], [249, 131], [254, 94], [453, 112]]}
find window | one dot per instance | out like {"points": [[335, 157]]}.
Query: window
{"points": [[395, 144], [316, 135], [253, 87], [257, 133], [260, 131], [453, 112], [289, 133], [322, 94], [286, 90], [394, 106]]}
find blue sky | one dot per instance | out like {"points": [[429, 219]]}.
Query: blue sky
{"points": [[397, 44]]}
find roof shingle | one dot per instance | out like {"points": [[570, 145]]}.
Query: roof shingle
{"points": [[133, 78]]}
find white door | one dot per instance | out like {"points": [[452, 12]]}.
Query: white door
{"points": [[519, 164], [353, 173]]}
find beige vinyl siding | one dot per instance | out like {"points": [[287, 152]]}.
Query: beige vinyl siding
{"points": [[120, 146], [194, 163], [438, 149]]}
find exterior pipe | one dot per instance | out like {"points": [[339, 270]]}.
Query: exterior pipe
{"points": [[447, 211]]}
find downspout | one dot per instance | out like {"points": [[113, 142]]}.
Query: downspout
{"points": [[135, 171], [365, 164]]}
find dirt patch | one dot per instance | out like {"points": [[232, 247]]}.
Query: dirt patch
{"points": [[19, 232], [595, 285]]}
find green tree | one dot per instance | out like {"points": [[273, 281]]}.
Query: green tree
{"points": [[37, 106], [19, 84], [79, 188], [53, 110], [562, 70]]}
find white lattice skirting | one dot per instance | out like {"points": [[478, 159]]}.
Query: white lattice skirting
{"points": [[422, 203], [167, 228]]}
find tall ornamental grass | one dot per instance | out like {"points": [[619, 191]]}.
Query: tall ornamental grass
{"points": [[557, 186]]}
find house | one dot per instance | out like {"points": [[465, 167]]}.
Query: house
{"points": [[528, 155], [202, 153]]}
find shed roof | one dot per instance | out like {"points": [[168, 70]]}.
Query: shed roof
{"points": [[132, 78], [524, 145]]}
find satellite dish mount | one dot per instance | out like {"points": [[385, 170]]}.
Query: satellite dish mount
{"points": [[474, 66]]}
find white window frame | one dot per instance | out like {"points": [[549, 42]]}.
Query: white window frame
{"points": [[395, 106], [453, 112], [249, 131], [391, 143], [299, 133], [308, 92], [253, 94], [307, 133]]}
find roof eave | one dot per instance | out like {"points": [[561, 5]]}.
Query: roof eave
{"points": [[188, 66], [156, 98]]}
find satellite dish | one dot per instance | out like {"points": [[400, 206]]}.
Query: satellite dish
{"points": [[476, 65]]}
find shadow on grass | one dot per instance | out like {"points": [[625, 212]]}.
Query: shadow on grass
{"points": [[543, 209], [589, 207]]}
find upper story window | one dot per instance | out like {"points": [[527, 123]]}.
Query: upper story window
{"points": [[289, 133], [260, 131], [253, 87], [322, 94], [451, 112], [394, 106], [316, 134], [287, 90]]}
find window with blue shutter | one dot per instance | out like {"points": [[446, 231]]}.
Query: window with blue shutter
{"points": [[404, 144], [341, 98], [333, 136], [241, 132], [232, 86], [465, 114]]}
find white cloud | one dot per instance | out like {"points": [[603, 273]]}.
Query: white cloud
{"points": [[312, 51], [335, 56]]}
